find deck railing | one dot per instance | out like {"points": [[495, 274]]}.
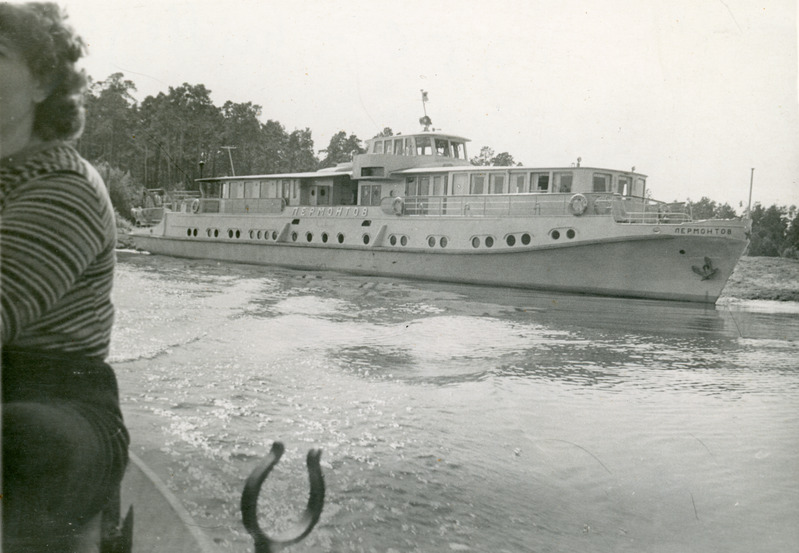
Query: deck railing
{"points": [[622, 209]]}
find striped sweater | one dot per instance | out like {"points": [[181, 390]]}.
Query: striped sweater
{"points": [[57, 239]]}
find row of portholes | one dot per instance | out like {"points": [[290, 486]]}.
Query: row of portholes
{"points": [[441, 240], [265, 234], [556, 233], [191, 232], [398, 238]]}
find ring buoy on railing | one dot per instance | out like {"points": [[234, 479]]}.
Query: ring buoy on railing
{"points": [[195, 206], [603, 205], [398, 205], [578, 204]]}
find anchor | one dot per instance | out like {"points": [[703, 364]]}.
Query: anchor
{"points": [[300, 529], [707, 271]]}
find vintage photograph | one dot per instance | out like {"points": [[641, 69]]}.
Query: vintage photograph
{"points": [[379, 277]]}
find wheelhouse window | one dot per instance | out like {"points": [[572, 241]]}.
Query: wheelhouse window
{"points": [[602, 182], [563, 182], [477, 184], [458, 150], [389, 146], [399, 147], [285, 189], [539, 182], [410, 146], [378, 147], [623, 186], [442, 147], [424, 146]]}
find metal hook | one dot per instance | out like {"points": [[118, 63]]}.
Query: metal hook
{"points": [[309, 518]]}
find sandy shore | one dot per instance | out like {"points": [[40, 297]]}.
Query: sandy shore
{"points": [[764, 278]]}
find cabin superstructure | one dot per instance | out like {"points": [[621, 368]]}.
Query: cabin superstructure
{"points": [[421, 170]]}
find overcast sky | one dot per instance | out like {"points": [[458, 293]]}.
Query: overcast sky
{"points": [[693, 93]]}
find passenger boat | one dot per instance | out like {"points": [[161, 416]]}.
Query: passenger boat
{"points": [[413, 206]]}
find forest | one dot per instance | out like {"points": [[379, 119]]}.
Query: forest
{"points": [[169, 140]]}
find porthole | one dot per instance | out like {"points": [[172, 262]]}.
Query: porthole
{"points": [[404, 241], [274, 235], [443, 241], [230, 233], [511, 240], [392, 240], [208, 232], [489, 241], [252, 234], [238, 233], [194, 232], [258, 235], [525, 239], [570, 233], [309, 236], [366, 238], [555, 234], [188, 232], [340, 238], [476, 242], [216, 233], [294, 236], [682, 252], [431, 241], [324, 237]]}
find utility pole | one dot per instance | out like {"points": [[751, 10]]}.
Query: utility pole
{"points": [[230, 156], [751, 182]]}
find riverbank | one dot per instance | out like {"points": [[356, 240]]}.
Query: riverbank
{"points": [[764, 278]]}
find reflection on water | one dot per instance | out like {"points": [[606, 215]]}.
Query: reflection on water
{"points": [[463, 418]]}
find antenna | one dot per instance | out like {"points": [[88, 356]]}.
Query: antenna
{"points": [[426, 121], [230, 156], [751, 182]]}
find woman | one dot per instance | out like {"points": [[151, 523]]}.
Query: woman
{"points": [[64, 441]]}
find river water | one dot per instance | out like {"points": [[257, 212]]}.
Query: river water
{"points": [[462, 418]]}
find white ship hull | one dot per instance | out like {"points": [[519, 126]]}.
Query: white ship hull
{"points": [[599, 256]]}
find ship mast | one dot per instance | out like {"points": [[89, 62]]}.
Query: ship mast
{"points": [[425, 121]]}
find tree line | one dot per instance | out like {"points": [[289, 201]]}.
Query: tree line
{"points": [[171, 139]]}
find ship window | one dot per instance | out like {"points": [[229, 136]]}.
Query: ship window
{"points": [[424, 146], [389, 146], [424, 186], [439, 185], [251, 189], [563, 182], [497, 184], [517, 183], [411, 187], [398, 147], [459, 184], [623, 186], [601, 182], [370, 194], [378, 147], [458, 150], [477, 185], [640, 187], [237, 190], [442, 147], [373, 171], [409, 146], [539, 182]]}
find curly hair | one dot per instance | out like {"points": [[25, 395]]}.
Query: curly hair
{"points": [[50, 49]]}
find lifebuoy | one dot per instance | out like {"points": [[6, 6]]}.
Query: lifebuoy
{"points": [[195, 206], [398, 206], [603, 205], [578, 204]]}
